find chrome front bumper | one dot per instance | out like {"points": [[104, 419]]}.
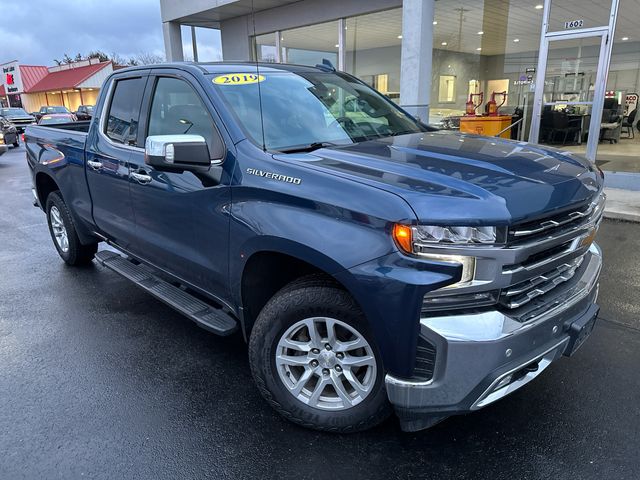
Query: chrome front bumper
{"points": [[485, 356]]}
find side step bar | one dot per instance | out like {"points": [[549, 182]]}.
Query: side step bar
{"points": [[207, 316]]}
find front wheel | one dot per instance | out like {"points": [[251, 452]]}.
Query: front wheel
{"points": [[63, 233], [314, 360]]}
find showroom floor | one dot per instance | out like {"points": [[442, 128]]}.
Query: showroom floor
{"points": [[623, 156], [99, 380]]}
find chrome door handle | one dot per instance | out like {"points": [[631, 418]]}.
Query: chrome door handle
{"points": [[95, 165], [141, 177]]}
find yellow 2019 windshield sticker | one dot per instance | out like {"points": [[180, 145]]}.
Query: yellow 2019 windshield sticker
{"points": [[238, 79]]}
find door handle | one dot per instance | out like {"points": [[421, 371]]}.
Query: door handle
{"points": [[141, 177], [95, 165]]}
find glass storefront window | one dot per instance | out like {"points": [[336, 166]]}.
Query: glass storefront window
{"points": [[310, 45], [265, 46], [619, 151], [373, 50], [480, 49]]}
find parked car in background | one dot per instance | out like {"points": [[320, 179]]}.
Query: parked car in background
{"points": [[49, 109], [9, 133], [57, 118], [18, 117], [84, 112]]}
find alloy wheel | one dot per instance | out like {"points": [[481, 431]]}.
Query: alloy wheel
{"points": [[59, 230], [326, 363]]}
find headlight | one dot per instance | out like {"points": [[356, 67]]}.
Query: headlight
{"points": [[415, 239], [420, 239], [454, 235]]}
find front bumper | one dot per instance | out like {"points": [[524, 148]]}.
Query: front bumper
{"points": [[483, 357], [3, 149]]}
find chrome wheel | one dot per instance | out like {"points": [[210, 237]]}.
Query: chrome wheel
{"points": [[58, 228], [326, 363]]}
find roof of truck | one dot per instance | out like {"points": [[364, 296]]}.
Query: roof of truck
{"points": [[239, 67]]}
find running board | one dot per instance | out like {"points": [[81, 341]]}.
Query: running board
{"points": [[205, 315]]}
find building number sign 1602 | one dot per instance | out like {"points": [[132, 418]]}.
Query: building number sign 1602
{"points": [[574, 24]]}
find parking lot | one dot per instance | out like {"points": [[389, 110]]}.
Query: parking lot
{"points": [[99, 380]]}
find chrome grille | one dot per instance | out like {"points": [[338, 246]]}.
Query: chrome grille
{"points": [[522, 293], [590, 213]]}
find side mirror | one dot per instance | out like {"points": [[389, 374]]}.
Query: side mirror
{"points": [[177, 152]]}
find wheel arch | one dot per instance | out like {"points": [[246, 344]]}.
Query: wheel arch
{"points": [[45, 184], [267, 271]]}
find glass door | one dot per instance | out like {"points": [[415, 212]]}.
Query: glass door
{"points": [[569, 104], [569, 89]]}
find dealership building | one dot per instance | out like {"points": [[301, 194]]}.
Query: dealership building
{"points": [[568, 71], [69, 85]]}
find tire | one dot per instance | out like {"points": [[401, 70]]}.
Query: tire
{"points": [[318, 301], [64, 235]]}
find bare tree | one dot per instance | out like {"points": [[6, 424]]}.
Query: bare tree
{"points": [[149, 58]]}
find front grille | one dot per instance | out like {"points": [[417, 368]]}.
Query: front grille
{"points": [[556, 224], [22, 122], [522, 293], [425, 360]]}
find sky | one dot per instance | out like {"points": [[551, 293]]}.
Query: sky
{"points": [[36, 32]]}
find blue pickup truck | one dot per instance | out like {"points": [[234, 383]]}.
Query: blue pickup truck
{"points": [[371, 263]]}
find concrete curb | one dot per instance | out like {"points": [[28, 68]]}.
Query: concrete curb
{"points": [[622, 205]]}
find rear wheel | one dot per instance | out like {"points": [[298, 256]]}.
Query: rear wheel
{"points": [[64, 235], [314, 360]]}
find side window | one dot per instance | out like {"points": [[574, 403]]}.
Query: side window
{"points": [[124, 110], [176, 109]]}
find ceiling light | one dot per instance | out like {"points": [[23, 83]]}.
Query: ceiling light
{"points": [[337, 45], [443, 43], [399, 36], [480, 32], [624, 39], [516, 40], [539, 7], [479, 48], [435, 22]]}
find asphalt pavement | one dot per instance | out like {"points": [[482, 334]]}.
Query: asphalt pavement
{"points": [[99, 380]]}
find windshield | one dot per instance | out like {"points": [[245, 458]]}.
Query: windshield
{"points": [[57, 110], [51, 119], [307, 109], [13, 111]]}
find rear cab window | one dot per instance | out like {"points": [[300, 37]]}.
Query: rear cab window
{"points": [[124, 110]]}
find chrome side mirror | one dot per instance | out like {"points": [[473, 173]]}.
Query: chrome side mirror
{"points": [[183, 152]]}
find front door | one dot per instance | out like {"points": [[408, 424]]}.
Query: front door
{"points": [[569, 105], [181, 221]]}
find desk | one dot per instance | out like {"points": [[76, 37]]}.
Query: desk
{"points": [[487, 126]]}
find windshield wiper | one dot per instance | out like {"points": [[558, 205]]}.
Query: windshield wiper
{"points": [[308, 148]]}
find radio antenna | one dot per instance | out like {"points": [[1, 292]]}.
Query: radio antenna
{"points": [[255, 53]]}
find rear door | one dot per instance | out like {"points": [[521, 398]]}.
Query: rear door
{"points": [[181, 218], [112, 144]]}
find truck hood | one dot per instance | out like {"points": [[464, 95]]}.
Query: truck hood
{"points": [[466, 179], [20, 118]]}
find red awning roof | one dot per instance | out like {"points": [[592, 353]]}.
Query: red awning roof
{"points": [[32, 74], [66, 79]]}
